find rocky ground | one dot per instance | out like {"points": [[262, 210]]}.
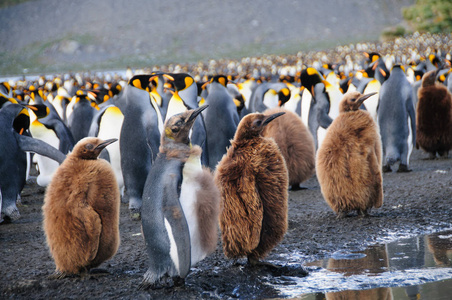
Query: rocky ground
{"points": [[415, 203]]}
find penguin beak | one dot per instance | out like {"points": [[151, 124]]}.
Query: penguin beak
{"points": [[196, 112], [271, 118], [105, 144], [361, 99]]}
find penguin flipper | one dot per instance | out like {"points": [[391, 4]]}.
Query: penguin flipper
{"points": [[92, 227], [30, 144]]}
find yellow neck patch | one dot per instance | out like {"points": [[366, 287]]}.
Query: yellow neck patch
{"points": [[311, 71], [137, 83]]}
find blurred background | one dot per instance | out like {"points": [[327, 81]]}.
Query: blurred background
{"points": [[45, 36]]}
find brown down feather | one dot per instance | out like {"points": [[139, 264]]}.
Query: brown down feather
{"points": [[295, 143], [208, 208], [253, 181], [434, 119], [348, 162], [81, 214]]}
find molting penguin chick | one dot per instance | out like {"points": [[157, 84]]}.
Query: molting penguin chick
{"points": [[253, 181], [295, 143], [348, 162], [81, 210], [180, 206], [434, 117]]}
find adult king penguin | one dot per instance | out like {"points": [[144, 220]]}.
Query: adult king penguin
{"points": [[397, 120], [140, 139], [81, 210], [14, 120], [221, 119], [434, 117], [180, 206], [348, 161], [253, 182]]}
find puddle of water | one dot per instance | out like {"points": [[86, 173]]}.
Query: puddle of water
{"points": [[404, 269]]}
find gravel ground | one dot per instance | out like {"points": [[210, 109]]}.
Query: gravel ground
{"points": [[415, 203]]}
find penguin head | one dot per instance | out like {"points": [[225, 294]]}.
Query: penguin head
{"points": [[141, 82], [185, 88], [177, 127], [352, 101], [253, 124], [90, 147], [283, 96], [40, 110], [429, 78], [221, 79]]}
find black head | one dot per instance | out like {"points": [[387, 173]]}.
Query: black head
{"points": [[90, 147], [221, 79], [283, 96]]}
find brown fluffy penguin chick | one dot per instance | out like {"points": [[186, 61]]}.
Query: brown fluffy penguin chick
{"points": [[253, 182], [348, 161], [434, 117], [81, 210], [295, 143]]}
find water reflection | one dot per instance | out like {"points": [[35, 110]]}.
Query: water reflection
{"points": [[440, 245], [414, 268]]}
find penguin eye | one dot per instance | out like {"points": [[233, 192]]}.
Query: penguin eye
{"points": [[257, 123], [89, 146], [353, 100]]}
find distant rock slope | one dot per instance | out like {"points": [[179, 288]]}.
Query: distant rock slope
{"points": [[87, 31]]}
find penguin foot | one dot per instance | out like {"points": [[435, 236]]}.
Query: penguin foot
{"points": [[297, 187], [363, 212], [60, 275], [135, 214], [165, 281], [254, 262], [403, 169], [443, 154], [387, 169], [341, 215], [431, 155]]}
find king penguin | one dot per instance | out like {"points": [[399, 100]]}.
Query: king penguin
{"points": [[107, 124], [348, 161], [221, 119], [186, 97], [296, 145], [253, 181], [180, 206], [79, 121], [397, 120], [139, 139], [13, 164], [14, 120], [81, 210], [434, 117]]}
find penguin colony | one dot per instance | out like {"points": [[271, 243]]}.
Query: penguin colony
{"points": [[169, 145]]}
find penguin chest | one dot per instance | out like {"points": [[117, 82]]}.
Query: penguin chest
{"points": [[188, 200], [306, 100], [271, 99], [110, 127], [371, 104], [46, 165]]}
